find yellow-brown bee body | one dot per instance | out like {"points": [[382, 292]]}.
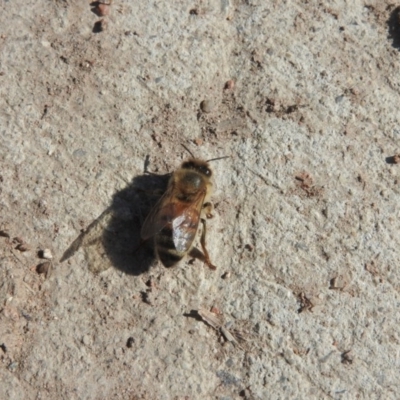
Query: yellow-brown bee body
{"points": [[174, 221]]}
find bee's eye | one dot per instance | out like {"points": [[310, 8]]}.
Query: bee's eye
{"points": [[206, 171], [202, 169]]}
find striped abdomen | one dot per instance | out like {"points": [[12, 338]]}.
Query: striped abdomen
{"points": [[174, 241]]}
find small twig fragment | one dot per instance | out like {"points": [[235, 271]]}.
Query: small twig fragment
{"points": [[347, 357], [305, 303], [210, 318], [216, 322]]}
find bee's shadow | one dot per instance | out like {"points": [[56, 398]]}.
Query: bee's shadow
{"points": [[121, 236], [393, 24], [114, 237]]}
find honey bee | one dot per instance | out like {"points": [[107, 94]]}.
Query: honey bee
{"points": [[174, 221]]}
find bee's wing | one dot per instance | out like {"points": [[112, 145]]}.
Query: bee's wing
{"points": [[182, 218], [91, 234], [184, 226], [160, 216], [92, 242]]}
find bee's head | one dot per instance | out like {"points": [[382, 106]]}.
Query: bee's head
{"points": [[199, 166]]}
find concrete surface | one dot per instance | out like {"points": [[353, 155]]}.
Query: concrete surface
{"points": [[306, 231]]}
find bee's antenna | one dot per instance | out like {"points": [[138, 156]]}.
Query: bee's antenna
{"points": [[218, 158], [188, 150]]}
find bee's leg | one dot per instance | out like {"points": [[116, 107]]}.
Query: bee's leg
{"points": [[208, 208], [196, 253], [203, 246]]}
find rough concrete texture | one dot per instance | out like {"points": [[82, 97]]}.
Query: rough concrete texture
{"points": [[306, 226]]}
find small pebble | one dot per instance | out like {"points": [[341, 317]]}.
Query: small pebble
{"points": [[130, 342], [206, 106], [229, 85], [18, 240], [99, 26], [46, 253], [396, 159], [44, 268], [215, 310], [22, 247], [226, 275], [86, 340], [102, 9]]}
